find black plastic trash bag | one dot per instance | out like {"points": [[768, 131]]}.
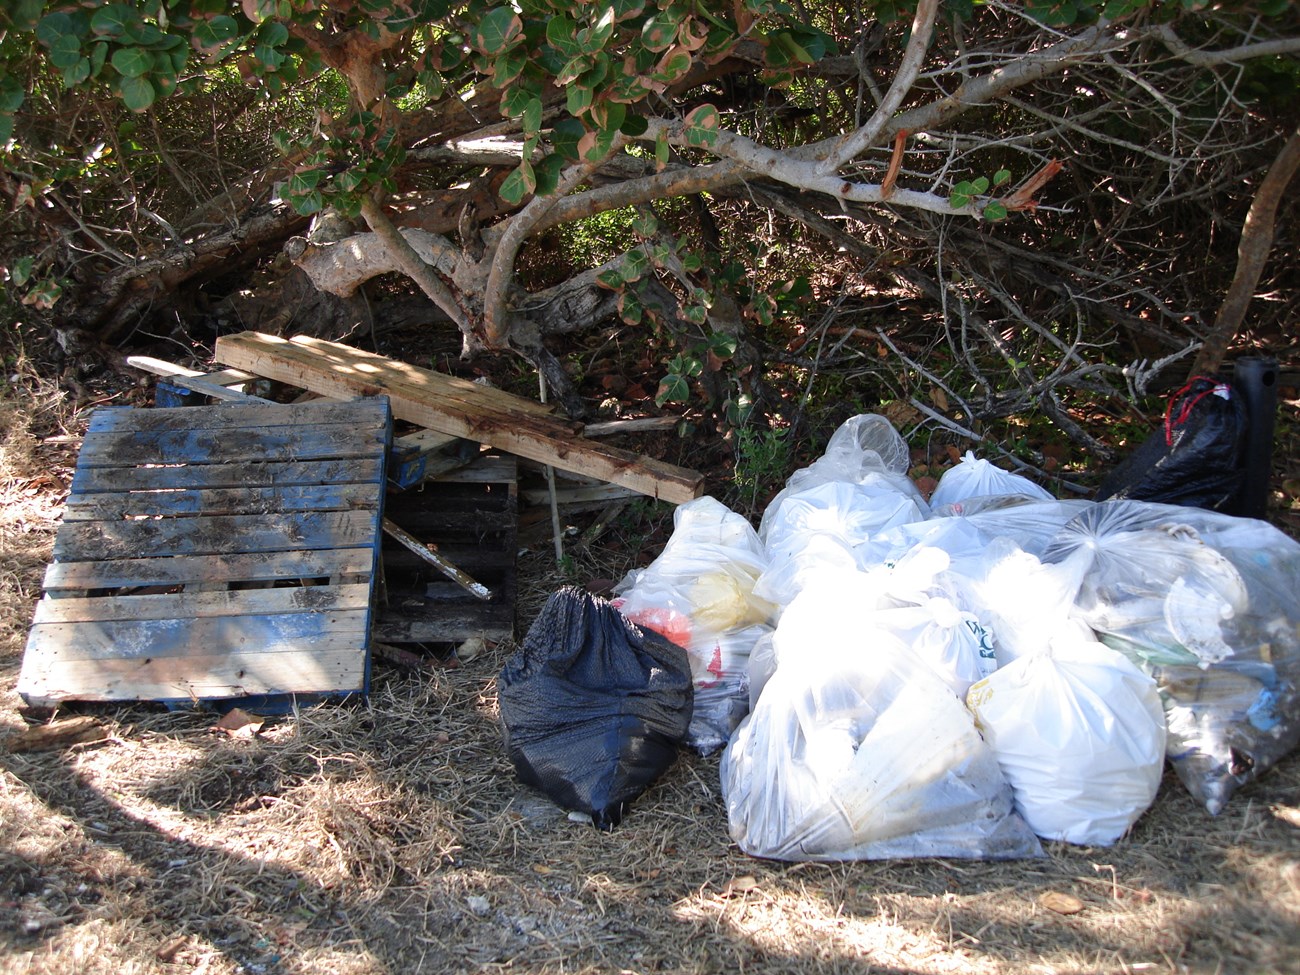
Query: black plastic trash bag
{"points": [[1196, 459], [594, 707]]}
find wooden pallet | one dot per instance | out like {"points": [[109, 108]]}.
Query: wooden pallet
{"points": [[215, 552]]}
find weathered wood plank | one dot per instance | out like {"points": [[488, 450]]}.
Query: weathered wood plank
{"points": [[420, 396], [370, 369], [449, 624], [103, 540], [56, 644], [177, 606], [170, 503], [269, 443], [220, 569], [367, 415], [322, 670], [91, 480]]}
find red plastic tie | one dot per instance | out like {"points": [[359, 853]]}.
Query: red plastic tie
{"points": [[1185, 411]]}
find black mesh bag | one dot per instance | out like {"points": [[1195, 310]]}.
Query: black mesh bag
{"points": [[594, 707]]}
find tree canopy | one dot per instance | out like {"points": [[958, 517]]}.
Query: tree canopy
{"points": [[1062, 183]]}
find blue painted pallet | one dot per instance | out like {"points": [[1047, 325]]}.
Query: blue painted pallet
{"points": [[211, 553]]}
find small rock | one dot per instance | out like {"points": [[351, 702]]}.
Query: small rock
{"points": [[478, 905]]}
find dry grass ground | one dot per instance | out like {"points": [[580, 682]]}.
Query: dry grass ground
{"points": [[389, 836]]}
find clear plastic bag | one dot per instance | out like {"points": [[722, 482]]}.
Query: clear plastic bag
{"points": [[865, 448], [975, 477], [1079, 733], [823, 527], [699, 593], [856, 749], [1206, 604]]}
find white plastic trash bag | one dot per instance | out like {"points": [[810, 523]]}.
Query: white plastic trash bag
{"points": [[856, 749], [1079, 733], [975, 477], [850, 512], [864, 448], [1025, 602], [1207, 604]]}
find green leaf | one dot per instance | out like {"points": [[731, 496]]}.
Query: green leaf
{"points": [[273, 33], [611, 279], [696, 314], [65, 51], [565, 136], [630, 308], [137, 93], [518, 184], [497, 31], [509, 66], [304, 182], [77, 74], [723, 346], [634, 125], [661, 150], [53, 26], [578, 99], [702, 126], [981, 184], [958, 200], [308, 204], [595, 146], [659, 32], [113, 20], [532, 116], [131, 62], [26, 13], [548, 174], [673, 67], [269, 56], [516, 100], [20, 272], [1001, 176], [608, 115], [562, 34], [98, 57], [636, 264], [11, 94], [644, 223], [673, 388], [995, 211]]}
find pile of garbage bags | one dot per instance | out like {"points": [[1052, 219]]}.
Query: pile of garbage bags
{"points": [[889, 676]]}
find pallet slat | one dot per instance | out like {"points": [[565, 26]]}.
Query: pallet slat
{"points": [[216, 569], [98, 541], [185, 502], [92, 480]]}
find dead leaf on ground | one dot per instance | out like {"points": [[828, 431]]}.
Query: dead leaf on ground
{"points": [[1288, 814], [238, 723], [739, 885], [1061, 903]]}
